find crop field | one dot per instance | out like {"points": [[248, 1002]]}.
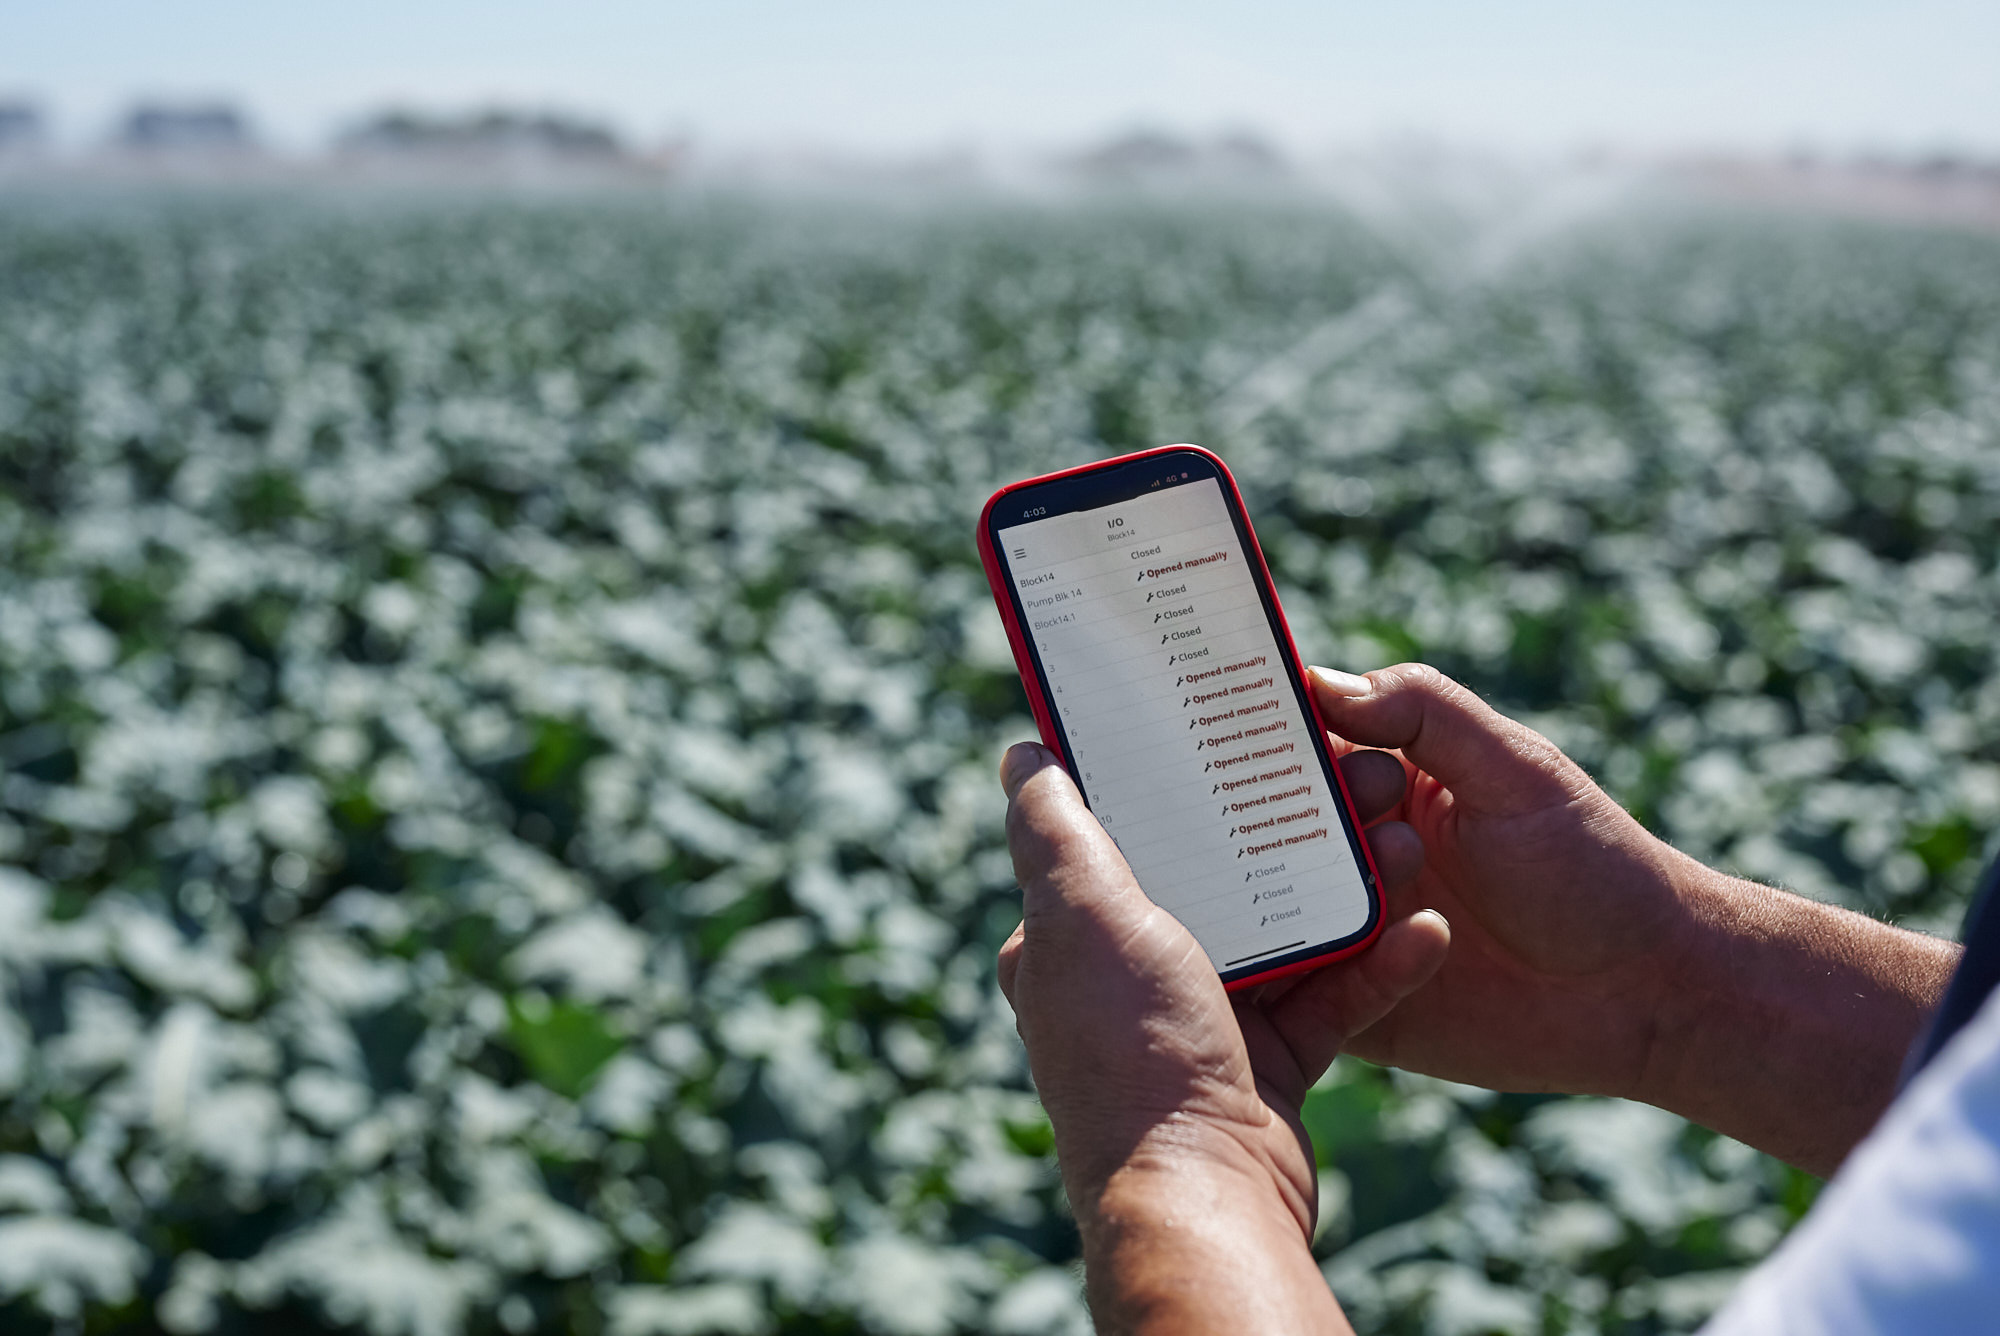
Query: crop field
{"points": [[499, 710]]}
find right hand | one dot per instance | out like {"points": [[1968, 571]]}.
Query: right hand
{"points": [[1567, 917], [1591, 957]]}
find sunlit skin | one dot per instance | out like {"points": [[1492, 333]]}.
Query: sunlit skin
{"points": [[1538, 939]]}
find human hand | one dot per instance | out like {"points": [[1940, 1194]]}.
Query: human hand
{"points": [[1175, 1108], [1589, 956], [1566, 914]]}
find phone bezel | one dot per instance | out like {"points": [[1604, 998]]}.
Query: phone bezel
{"points": [[1125, 477]]}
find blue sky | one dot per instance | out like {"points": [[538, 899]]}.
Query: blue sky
{"points": [[899, 76]]}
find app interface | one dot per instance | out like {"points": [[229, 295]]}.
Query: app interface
{"points": [[1191, 744]]}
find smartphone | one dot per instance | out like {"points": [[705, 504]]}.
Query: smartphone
{"points": [[1159, 666]]}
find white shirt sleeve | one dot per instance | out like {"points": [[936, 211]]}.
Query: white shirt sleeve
{"points": [[1906, 1238]]}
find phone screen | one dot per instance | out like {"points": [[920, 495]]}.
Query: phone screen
{"points": [[1185, 722]]}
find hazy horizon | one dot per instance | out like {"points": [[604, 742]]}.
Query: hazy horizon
{"points": [[892, 78]]}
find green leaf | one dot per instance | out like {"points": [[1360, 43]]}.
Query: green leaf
{"points": [[1342, 1115], [1033, 1137], [564, 1044]]}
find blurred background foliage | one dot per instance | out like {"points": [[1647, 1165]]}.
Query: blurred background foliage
{"points": [[498, 708]]}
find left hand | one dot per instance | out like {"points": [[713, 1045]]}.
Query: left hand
{"points": [[1157, 1084]]}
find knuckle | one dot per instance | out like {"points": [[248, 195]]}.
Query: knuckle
{"points": [[1451, 694], [1551, 760], [1424, 679], [1374, 1000], [1447, 690]]}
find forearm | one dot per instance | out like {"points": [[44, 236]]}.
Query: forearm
{"points": [[1786, 1021], [1201, 1249]]}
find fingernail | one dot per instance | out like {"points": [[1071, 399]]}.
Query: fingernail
{"points": [[1022, 760], [1342, 684]]}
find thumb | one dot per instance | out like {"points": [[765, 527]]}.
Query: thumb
{"points": [[1487, 760], [1331, 1006], [1066, 864]]}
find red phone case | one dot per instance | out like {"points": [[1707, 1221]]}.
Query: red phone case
{"points": [[996, 579]]}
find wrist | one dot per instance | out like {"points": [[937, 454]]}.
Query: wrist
{"points": [[1159, 1185], [1784, 1022], [1694, 987], [1201, 1244]]}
